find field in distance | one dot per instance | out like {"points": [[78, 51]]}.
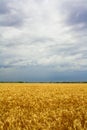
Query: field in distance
{"points": [[43, 106]]}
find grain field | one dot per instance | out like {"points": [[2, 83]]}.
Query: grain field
{"points": [[43, 106]]}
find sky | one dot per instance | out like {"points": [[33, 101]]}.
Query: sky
{"points": [[43, 40]]}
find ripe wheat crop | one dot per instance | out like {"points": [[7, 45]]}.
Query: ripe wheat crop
{"points": [[43, 106]]}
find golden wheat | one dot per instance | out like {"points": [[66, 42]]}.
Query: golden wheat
{"points": [[43, 106]]}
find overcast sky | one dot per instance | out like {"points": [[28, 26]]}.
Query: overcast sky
{"points": [[43, 40]]}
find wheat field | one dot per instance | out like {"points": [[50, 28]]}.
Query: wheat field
{"points": [[43, 106]]}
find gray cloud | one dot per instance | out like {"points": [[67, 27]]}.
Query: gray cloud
{"points": [[4, 9], [78, 16], [9, 14], [76, 13], [13, 20], [47, 34]]}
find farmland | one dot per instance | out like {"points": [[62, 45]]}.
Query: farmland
{"points": [[43, 106]]}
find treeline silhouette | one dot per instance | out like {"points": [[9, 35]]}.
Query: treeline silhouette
{"points": [[43, 82]]}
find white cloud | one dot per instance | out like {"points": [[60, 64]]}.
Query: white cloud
{"points": [[38, 32]]}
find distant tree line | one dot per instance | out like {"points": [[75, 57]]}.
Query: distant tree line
{"points": [[43, 82]]}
